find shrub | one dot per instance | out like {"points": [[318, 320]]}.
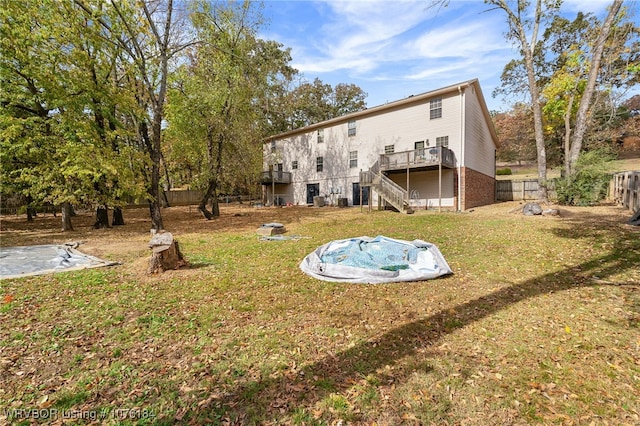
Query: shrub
{"points": [[503, 172], [589, 182]]}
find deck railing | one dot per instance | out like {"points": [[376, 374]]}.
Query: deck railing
{"points": [[422, 157], [275, 176], [393, 193]]}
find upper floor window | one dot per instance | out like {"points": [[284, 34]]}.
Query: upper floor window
{"points": [[435, 108], [319, 164], [352, 128], [389, 149], [294, 165], [353, 159], [320, 135], [273, 146], [442, 141]]}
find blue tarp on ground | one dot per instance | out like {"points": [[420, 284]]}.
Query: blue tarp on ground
{"points": [[375, 260], [24, 261]]}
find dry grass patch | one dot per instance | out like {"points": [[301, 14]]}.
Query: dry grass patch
{"points": [[538, 323]]}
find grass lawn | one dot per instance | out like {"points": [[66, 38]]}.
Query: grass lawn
{"points": [[540, 323]]}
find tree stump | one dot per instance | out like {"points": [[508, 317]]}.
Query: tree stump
{"points": [[165, 253]]}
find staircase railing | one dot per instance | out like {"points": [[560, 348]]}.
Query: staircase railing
{"points": [[390, 191]]}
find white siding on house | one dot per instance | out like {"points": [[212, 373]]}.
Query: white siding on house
{"points": [[400, 124], [480, 148], [423, 186]]}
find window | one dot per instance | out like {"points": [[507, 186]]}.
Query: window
{"points": [[442, 141], [389, 149], [273, 146], [294, 165], [435, 108], [353, 159], [352, 128], [319, 164], [418, 145], [320, 135]]}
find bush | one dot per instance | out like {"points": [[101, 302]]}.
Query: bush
{"points": [[503, 172], [589, 183]]}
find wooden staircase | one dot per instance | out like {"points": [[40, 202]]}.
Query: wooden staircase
{"points": [[390, 191]]}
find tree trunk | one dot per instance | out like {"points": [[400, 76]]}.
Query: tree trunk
{"points": [[164, 199], [152, 143], [585, 102], [517, 30], [205, 199], [215, 206], [31, 213], [102, 218], [66, 217], [567, 137], [541, 149], [118, 218]]}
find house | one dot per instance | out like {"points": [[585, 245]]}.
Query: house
{"points": [[433, 150]]}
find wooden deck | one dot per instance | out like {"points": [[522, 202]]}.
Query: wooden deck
{"points": [[425, 158]]}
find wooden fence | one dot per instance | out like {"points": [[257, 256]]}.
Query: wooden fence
{"points": [[181, 197], [626, 190], [516, 190]]}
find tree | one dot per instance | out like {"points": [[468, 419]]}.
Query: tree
{"points": [[151, 34], [562, 69], [515, 131], [594, 70], [58, 109], [317, 101], [216, 100], [520, 19]]}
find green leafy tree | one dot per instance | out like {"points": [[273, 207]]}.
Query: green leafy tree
{"points": [[61, 139], [151, 35], [318, 101], [515, 131], [216, 113], [524, 25], [566, 76]]}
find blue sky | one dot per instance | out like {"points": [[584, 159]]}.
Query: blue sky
{"points": [[396, 48]]}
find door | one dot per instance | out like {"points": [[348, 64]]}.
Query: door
{"points": [[356, 194], [418, 151], [313, 189]]}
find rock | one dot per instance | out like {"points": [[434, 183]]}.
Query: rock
{"points": [[551, 212], [531, 209], [273, 228]]}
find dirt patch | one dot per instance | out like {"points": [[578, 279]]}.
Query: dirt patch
{"points": [[131, 239]]}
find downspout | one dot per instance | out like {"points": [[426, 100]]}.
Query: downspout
{"points": [[462, 146]]}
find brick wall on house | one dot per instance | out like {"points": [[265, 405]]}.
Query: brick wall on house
{"points": [[478, 189]]}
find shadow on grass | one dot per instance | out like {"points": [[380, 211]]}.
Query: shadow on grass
{"points": [[255, 399]]}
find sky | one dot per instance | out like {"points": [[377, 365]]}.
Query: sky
{"points": [[396, 48]]}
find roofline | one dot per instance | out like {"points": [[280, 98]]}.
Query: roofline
{"points": [[395, 104]]}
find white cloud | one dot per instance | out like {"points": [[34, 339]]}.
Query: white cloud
{"points": [[358, 35], [593, 6]]}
